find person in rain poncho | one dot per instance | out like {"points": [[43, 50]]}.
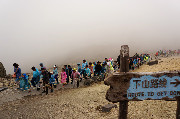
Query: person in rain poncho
{"points": [[55, 72], [79, 67], [98, 69], [87, 72], [52, 80], [83, 68], [67, 73], [70, 71], [103, 71], [17, 73], [63, 77], [26, 82], [75, 77], [45, 79], [94, 63], [36, 78], [42, 66], [91, 68]]}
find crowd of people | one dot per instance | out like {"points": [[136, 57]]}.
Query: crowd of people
{"points": [[137, 60], [68, 75], [166, 53], [45, 79]]}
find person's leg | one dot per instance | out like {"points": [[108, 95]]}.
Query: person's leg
{"points": [[77, 83], [90, 75], [74, 83], [37, 83], [33, 82], [67, 79], [51, 85], [44, 87], [83, 72], [94, 73], [56, 77], [18, 82]]}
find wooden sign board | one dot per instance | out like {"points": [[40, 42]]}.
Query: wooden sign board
{"points": [[143, 86], [149, 87]]}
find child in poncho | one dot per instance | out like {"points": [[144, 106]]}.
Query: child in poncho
{"points": [[75, 77], [63, 77], [52, 81]]}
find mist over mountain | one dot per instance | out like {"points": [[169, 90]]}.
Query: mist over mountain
{"points": [[64, 31]]}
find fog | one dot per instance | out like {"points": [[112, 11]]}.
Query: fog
{"points": [[65, 31]]}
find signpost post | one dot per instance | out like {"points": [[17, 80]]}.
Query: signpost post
{"points": [[124, 67], [128, 86]]}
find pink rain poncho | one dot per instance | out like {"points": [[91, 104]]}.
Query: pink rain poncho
{"points": [[63, 77]]}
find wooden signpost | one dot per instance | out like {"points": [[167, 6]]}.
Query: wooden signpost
{"points": [[128, 86]]}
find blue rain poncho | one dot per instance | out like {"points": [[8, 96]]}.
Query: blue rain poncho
{"points": [[79, 68], [52, 79], [17, 72], [36, 73], [88, 71], [55, 71], [84, 65]]}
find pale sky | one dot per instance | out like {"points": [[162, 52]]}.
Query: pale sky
{"points": [[58, 31]]}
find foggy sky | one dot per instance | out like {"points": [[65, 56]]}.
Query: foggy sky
{"points": [[60, 31]]}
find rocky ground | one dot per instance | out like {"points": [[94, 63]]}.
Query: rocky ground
{"points": [[81, 103]]}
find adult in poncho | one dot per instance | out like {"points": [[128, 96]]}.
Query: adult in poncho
{"points": [[36, 77], [17, 73]]}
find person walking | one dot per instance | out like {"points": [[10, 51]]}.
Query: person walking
{"points": [[52, 81], [67, 73], [55, 72], [63, 77], [17, 74], [83, 68], [91, 68], [36, 78], [70, 72], [87, 72], [98, 69], [42, 66], [45, 79], [75, 77]]}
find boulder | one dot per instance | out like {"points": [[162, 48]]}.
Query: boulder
{"points": [[152, 62], [2, 71], [88, 82], [106, 108]]}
